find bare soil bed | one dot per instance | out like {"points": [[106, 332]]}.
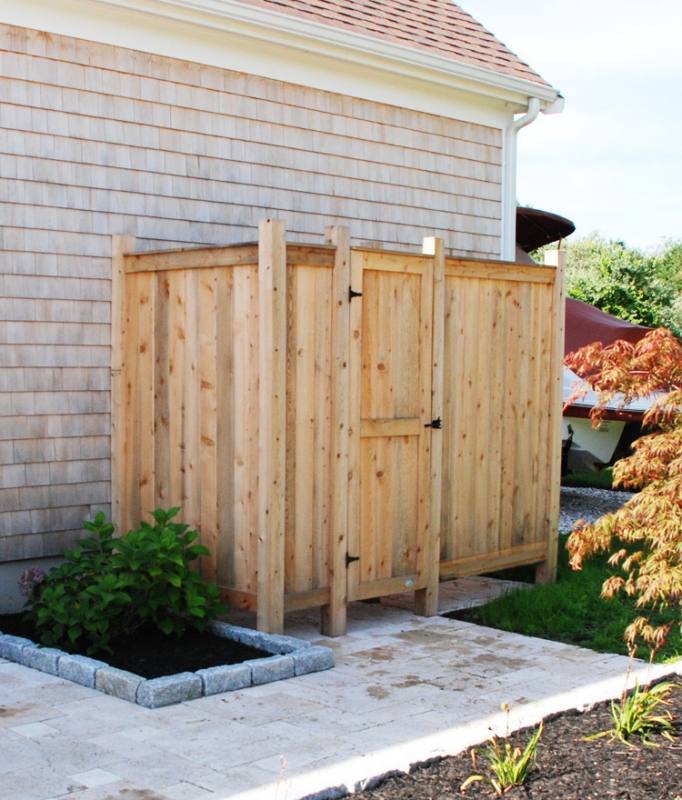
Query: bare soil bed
{"points": [[567, 768], [151, 654]]}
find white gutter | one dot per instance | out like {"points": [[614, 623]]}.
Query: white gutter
{"points": [[509, 178], [509, 170]]}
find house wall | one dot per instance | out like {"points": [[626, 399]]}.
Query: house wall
{"points": [[97, 140]]}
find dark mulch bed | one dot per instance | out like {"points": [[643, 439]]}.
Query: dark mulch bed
{"points": [[151, 654], [567, 768]]}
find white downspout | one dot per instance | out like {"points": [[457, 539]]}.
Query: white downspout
{"points": [[509, 179]]}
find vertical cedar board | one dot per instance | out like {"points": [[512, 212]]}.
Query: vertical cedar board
{"points": [[309, 433], [496, 437]]}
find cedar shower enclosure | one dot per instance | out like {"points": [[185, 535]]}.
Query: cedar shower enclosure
{"points": [[339, 423]]}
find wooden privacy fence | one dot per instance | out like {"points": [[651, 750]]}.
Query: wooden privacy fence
{"points": [[339, 423]]}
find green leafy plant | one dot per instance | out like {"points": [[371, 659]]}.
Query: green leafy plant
{"points": [[641, 714], [109, 586], [509, 766]]}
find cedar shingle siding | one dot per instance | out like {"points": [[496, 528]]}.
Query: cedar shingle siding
{"points": [[97, 140]]}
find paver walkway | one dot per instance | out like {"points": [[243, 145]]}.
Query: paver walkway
{"points": [[404, 689]]}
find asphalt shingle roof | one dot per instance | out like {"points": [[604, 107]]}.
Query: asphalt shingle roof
{"points": [[437, 26]]}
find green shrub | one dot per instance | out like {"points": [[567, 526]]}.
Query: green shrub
{"points": [[509, 766], [109, 586], [642, 714]]}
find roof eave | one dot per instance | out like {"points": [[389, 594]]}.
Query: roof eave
{"points": [[285, 29]]}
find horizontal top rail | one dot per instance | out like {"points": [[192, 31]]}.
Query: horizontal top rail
{"points": [[234, 255], [408, 263], [322, 255], [192, 248], [498, 270], [454, 259], [496, 262], [192, 258]]}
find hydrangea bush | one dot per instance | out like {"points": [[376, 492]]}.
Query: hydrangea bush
{"points": [[110, 586]]}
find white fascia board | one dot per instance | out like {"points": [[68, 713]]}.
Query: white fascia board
{"points": [[262, 23], [232, 35]]}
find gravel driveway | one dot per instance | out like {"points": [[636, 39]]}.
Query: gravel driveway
{"points": [[588, 504]]}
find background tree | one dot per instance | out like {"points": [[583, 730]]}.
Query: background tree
{"points": [[647, 530], [642, 288]]}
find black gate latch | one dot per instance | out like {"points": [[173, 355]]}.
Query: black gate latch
{"points": [[435, 423], [350, 559], [352, 293]]}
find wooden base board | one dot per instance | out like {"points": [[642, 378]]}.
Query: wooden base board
{"points": [[502, 559]]}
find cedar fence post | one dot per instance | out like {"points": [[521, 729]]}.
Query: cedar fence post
{"points": [[426, 600], [272, 362], [334, 614], [546, 572], [120, 245]]}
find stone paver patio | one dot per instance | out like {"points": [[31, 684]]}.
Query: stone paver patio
{"points": [[404, 689]]}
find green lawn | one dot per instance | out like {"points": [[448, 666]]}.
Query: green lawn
{"points": [[570, 611], [594, 480]]}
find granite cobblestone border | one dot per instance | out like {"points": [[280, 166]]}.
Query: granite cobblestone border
{"points": [[290, 657]]}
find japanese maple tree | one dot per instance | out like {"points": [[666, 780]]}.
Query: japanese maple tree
{"points": [[645, 535]]}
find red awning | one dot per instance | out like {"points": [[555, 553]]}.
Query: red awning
{"points": [[586, 324]]}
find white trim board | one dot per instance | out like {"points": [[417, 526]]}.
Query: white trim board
{"points": [[273, 26], [195, 31]]}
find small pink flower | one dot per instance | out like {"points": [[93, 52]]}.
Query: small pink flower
{"points": [[29, 580]]}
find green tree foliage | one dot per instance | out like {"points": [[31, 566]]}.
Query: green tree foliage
{"points": [[109, 586], [644, 288]]}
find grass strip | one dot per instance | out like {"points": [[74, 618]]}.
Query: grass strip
{"points": [[571, 611], [590, 479]]}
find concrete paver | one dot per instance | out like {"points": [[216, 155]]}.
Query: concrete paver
{"points": [[405, 689]]}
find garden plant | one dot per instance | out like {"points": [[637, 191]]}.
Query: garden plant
{"points": [[110, 586], [644, 537], [509, 766], [641, 714]]}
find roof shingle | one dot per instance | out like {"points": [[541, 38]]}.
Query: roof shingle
{"points": [[437, 26]]}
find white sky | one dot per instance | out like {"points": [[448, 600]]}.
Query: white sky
{"points": [[612, 161]]}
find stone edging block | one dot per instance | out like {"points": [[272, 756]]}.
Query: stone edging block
{"points": [[11, 647], [45, 659], [313, 659], [80, 669], [289, 657], [170, 689], [229, 678], [270, 642], [274, 668], [118, 682]]}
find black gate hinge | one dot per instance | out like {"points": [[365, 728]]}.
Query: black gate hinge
{"points": [[352, 293], [350, 559], [435, 423]]}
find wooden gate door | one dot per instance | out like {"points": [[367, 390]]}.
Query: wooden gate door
{"points": [[390, 423]]}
